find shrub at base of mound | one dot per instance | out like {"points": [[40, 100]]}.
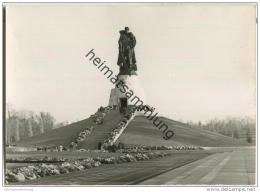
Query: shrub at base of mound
{"points": [[126, 158], [141, 157], [109, 160], [43, 170], [47, 170], [44, 159], [163, 147], [14, 177], [140, 149]]}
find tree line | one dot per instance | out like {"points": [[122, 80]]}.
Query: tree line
{"points": [[23, 124], [236, 127]]}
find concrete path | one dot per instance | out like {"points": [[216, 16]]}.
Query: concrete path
{"points": [[236, 167]]}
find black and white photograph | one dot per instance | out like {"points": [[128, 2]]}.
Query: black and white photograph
{"points": [[130, 94]]}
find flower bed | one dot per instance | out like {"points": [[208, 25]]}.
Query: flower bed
{"points": [[187, 148], [98, 117], [33, 172], [116, 132], [44, 159], [138, 149], [83, 134]]}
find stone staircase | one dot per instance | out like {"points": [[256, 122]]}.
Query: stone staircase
{"points": [[122, 130], [101, 132], [115, 133]]}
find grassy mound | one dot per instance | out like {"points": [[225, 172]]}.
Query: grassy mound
{"points": [[61, 136], [67, 134], [142, 131]]}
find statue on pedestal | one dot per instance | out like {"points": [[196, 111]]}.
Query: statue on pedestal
{"points": [[127, 91], [126, 57]]}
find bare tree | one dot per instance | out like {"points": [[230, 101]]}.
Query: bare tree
{"points": [[17, 131], [241, 128], [30, 131], [41, 123], [23, 124], [48, 121]]}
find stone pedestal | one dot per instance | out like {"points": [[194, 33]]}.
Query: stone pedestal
{"points": [[133, 83]]}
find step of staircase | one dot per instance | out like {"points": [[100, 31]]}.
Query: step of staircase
{"points": [[101, 132]]}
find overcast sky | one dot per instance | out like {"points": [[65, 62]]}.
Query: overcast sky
{"points": [[195, 62]]}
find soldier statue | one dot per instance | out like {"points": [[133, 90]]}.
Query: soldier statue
{"points": [[126, 58]]}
